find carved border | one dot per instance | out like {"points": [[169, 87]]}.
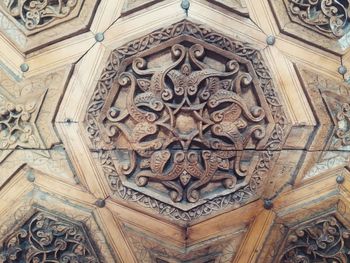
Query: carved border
{"points": [[266, 157]]}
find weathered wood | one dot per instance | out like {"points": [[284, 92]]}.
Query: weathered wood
{"points": [[137, 131]]}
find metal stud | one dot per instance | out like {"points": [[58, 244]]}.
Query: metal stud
{"points": [[100, 203], [268, 204], [68, 121], [270, 40], [340, 179], [185, 4], [24, 67], [342, 70], [99, 37], [30, 177]]}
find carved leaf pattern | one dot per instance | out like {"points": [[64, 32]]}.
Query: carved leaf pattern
{"points": [[198, 107], [330, 17], [16, 123], [110, 75], [48, 238], [35, 14], [324, 240]]}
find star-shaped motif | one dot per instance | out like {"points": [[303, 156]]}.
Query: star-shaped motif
{"points": [[17, 122]]}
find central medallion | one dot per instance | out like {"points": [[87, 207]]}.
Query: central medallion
{"points": [[179, 115], [185, 121]]}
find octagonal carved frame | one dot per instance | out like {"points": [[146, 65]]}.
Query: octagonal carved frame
{"points": [[187, 30]]}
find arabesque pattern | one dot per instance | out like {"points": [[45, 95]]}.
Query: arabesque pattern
{"points": [[188, 123], [329, 17], [48, 238], [323, 240], [38, 14]]}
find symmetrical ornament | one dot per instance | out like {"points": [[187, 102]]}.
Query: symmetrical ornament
{"points": [[175, 114], [35, 14], [48, 238], [16, 123], [186, 107], [322, 240], [328, 17]]}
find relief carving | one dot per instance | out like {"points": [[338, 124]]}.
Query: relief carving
{"points": [[174, 112], [340, 110], [343, 125], [17, 117], [177, 112], [323, 240], [48, 238], [37, 14], [328, 17]]}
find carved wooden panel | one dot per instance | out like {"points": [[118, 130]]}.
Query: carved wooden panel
{"points": [[177, 114], [46, 237], [174, 131], [321, 23], [35, 15], [27, 23], [324, 239], [326, 17]]}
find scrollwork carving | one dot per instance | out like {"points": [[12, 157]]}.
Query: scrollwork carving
{"points": [[330, 17], [323, 240], [17, 122], [343, 126], [186, 107], [187, 123], [48, 238], [35, 14]]}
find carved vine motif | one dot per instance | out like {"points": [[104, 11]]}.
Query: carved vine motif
{"points": [[186, 106], [330, 17], [47, 238], [343, 130], [35, 14], [186, 71], [324, 240], [16, 128]]}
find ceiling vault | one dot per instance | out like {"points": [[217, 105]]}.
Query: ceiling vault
{"points": [[173, 131]]}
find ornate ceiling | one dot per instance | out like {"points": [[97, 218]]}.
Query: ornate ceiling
{"points": [[174, 131]]}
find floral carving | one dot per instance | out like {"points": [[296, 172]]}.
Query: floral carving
{"points": [[17, 122], [48, 238], [323, 240], [186, 107], [343, 129], [329, 17], [35, 14], [186, 125]]}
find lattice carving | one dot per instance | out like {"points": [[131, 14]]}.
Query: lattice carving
{"points": [[322, 240], [183, 114], [48, 238], [34, 14], [329, 17]]}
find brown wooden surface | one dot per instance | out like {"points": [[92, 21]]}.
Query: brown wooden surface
{"points": [[52, 166]]}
